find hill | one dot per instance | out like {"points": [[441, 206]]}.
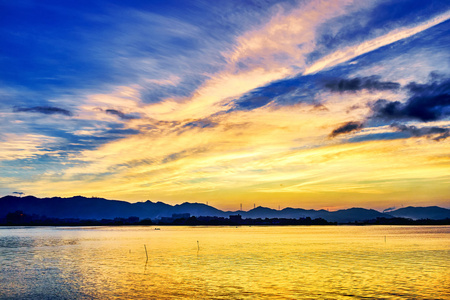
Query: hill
{"points": [[415, 213], [79, 207]]}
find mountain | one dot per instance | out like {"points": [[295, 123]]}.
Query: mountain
{"points": [[340, 216], [288, 213], [98, 208], [74, 207], [353, 214], [415, 213]]}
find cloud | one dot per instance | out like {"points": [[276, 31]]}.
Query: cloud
{"points": [[368, 23], [442, 136], [428, 102], [48, 110], [278, 42], [287, 91], [353, 51], [346, 128], [253, 101], [371, 83], [439, 133], [389, 209], [260, 56], [202, 123], [121, 114], [24, 146], [120, 132], [243, 100], [175, 156]]}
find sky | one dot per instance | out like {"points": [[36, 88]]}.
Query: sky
{"points": [[309, 104]]}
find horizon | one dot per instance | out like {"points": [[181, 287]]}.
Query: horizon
{"points": [[308, 104], [386, 210]]}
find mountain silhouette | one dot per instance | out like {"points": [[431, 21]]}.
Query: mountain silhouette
{"points": [[415, 213], [80, 207]]}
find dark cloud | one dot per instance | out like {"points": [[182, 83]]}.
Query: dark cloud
{"points": [[203, 123], [119, 132], [427, 102], [121, 114], [346, 128], [371, 83], [48, 110], [438, 133], [319, 107]]}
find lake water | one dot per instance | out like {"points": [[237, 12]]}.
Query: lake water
{"points": [[298, 262]]}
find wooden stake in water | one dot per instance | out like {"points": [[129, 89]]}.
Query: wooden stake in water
{"points": [[385, 239], [198, 246], [145, 247]]}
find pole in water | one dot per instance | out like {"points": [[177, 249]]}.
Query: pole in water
{"points": [[198, 246], [385, 239], [145, 247]]}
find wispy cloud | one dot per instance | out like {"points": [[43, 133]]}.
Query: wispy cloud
{"points": [[236, 103], [48, 110], [260, 56], [438, 133], [120, 114], [348, 53], [16, 146]]}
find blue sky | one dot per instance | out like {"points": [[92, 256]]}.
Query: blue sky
{"points": [[304, 102]]}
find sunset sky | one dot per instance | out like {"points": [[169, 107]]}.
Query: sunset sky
{"points": [[309, 104]]}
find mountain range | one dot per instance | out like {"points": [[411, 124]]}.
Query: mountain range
{"points": [[98, 208]]}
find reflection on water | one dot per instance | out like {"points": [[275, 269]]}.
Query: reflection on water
{"points": [[332, 262]]}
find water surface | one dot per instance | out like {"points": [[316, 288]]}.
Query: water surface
{"points": [[275, 262]]}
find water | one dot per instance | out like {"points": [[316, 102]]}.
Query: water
{"points": [[298, 262]]}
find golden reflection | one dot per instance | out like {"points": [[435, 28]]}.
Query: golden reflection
{"points": [[227, 262]]}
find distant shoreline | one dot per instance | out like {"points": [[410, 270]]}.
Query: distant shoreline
{"points": [[20, 219], [79, 210]]}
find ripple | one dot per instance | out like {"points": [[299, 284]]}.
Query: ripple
{"points": [[258, 262]]}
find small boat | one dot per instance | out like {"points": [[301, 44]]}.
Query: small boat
{"points": [[156, 228]]}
